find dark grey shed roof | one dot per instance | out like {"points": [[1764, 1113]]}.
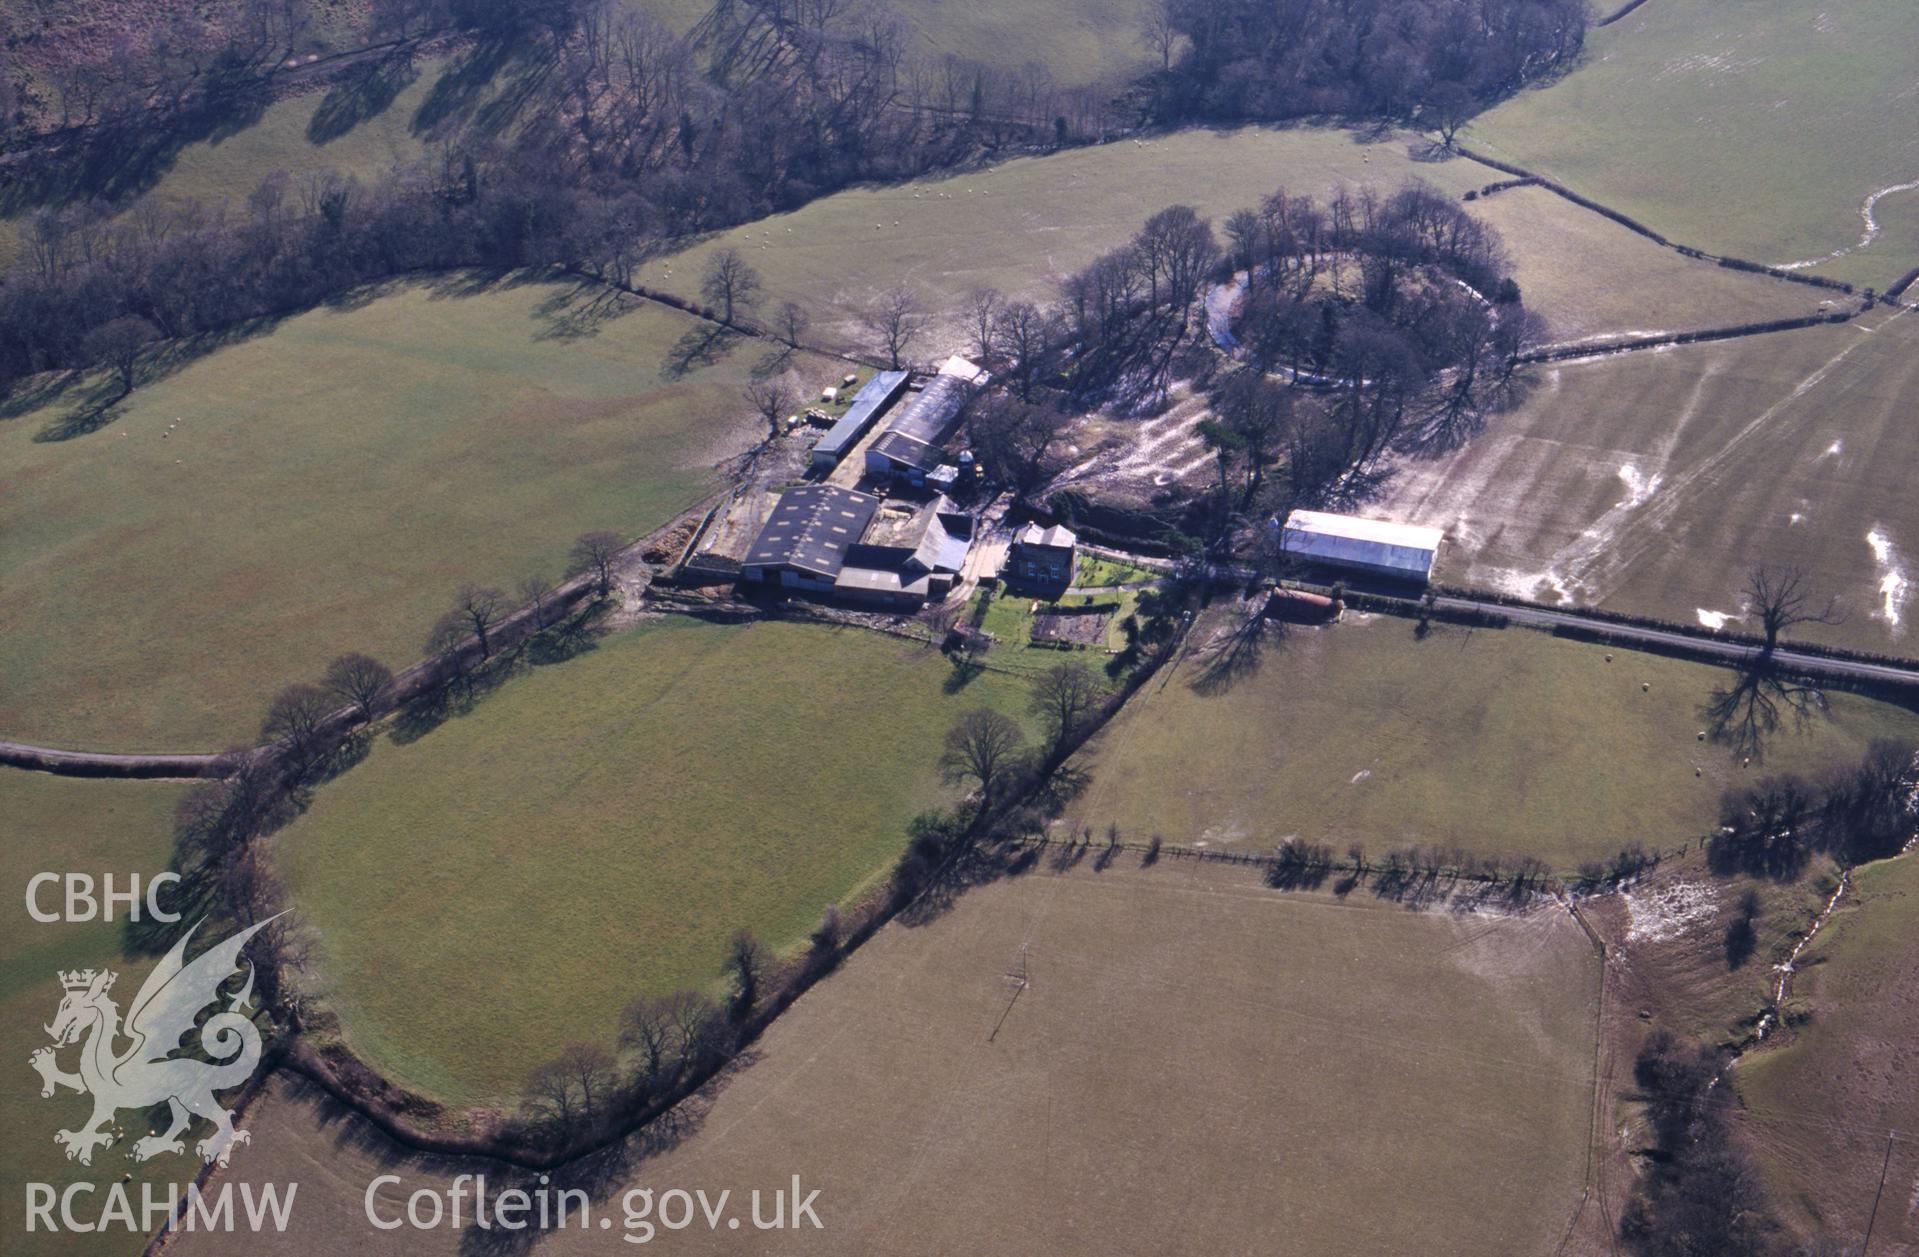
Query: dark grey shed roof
{"points": [[906, 451], [928, 414], [812, 528], [872, 398]]}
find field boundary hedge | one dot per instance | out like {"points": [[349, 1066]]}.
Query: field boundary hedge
{"points": [[1624, 10], [1634, 225], [1627, 344]]}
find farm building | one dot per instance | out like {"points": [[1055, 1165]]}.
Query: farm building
{"points": [[909, 447], [1384, 548], [829, 540], [1041, 556], [805, 543], [878, 393]]}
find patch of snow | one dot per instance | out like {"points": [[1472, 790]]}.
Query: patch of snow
{"points": [[1360, 776], [1895, 590], [1872, 227], [1638, 487], [1667, 911], [1715, 620], [1831, 451], [1794, 518]]}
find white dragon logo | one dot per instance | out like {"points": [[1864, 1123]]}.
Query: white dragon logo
{"points": [[148, 1072]]}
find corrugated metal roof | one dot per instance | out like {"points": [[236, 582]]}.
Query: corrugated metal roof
{"points": [[1359, 528], [1375, 543], [812, 528], [929, 413], [872, 398]]}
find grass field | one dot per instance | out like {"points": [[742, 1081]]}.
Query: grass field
{"points": [[1750, 127], [1022, 225], [1819, 1105], [52, 824], [1652, 481], [363, 126], [598, 830], [1509, 741], [326, 489], [1197, 1065]]}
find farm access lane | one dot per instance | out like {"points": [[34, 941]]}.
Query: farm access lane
{"points": [[1649, 635]]}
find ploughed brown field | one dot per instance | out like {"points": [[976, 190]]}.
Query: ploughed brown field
{"points": [[1194, 1062]]}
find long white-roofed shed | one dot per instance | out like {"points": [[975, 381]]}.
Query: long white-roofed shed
{"points": [[1405, 551]]}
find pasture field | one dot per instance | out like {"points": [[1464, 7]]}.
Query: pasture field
{"points": [[364, 125], [1651, 482], [1820, 1103], [599, 830], [1510, 741], [1752, 129], [1025, 224], [1368, 1080], [326, 488], [58, 825]]}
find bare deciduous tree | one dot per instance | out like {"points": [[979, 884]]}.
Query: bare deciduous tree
{"points": [[746, 961], [536, 592], [1448, 107], [1781, 601], [729, 285], [594, 552], [119, 343], [791, 323], [295, 719], [481, 608], [1763, 695], [772, 400], [567, 1094], [647, 1027], [358, 680], [982, 310], [980, 747], [898, 320], [1159, 32], [1063, 697]]}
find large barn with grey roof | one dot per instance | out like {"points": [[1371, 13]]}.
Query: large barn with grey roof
{"points": [[830, 540]]}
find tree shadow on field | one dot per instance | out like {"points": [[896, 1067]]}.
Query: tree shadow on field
{"points": [[102, 403], [462, 85], [700, 346], [1234, 654], [603, 1175], [38, 392], [362, 96], [114, 163], [773, 362], [979, 867], [580, 312]]}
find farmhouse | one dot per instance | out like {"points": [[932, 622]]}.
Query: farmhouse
{"points": [[828, 540], [879, 393], [1381, 547], [1041, 556], [908, 448]]}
